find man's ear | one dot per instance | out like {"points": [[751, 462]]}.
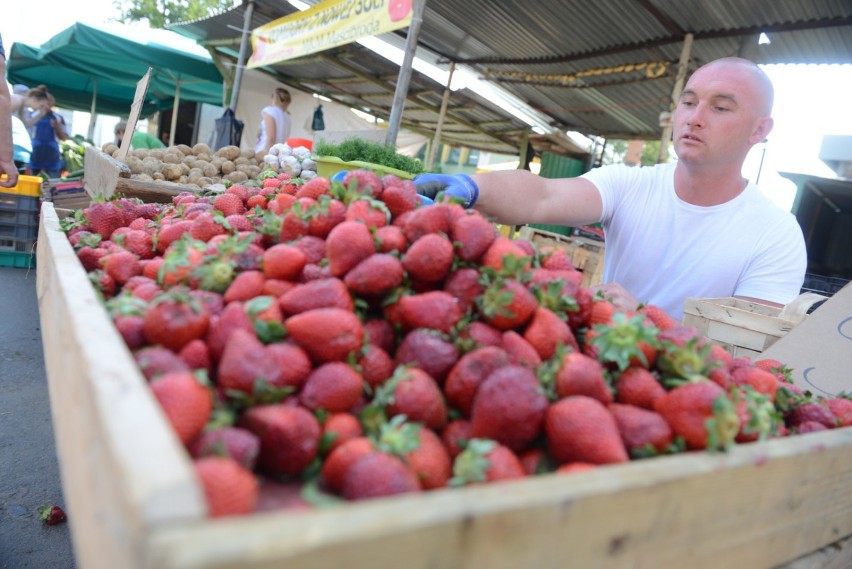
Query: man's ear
{"points": [[762, 129]]}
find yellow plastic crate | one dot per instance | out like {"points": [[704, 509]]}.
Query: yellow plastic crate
{"points": [[328, 166], [27, 186]]}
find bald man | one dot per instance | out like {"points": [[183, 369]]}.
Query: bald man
{"points": [[691, 228]]}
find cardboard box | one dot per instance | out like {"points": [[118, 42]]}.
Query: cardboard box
{"points": [[820, 348]]}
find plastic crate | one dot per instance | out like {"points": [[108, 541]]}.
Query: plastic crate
{"points": [[16, 259], [18, 237]]}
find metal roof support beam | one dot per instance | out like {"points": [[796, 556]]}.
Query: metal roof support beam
{"points": [[241, 60], [682, 66], [436, 140], [405, 72]]}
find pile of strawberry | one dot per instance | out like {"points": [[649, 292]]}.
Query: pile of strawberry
{"points": [[343, 341]]}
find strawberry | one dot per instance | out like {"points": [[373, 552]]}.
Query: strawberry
{"points": [[509, 407], [474, 233], [380, 332], [481, 334], [247, 365], [520, 351], [430, 460], [455, 436], [484, 460], [760, 380], [103, 218], [348, 244], [376, 365], [233, 317], [90, 257], [501, 248], [658, 317], [464, 285], [205, 226], [238, 444], [103, 283], [759, 419], [327, 334], [556, 258], [371, 213], [132, 330], [139, 243], [121, 266], [435, 310], [644, 432], [293, 226], [339, 428], [429, 351], [169, 233], [811, 411], [425, 221], [320, 293], [51, 515], [341, 458], [378, 474], [413, 393], [245, 286], [809, 427], [229, 488], [325, 216], [293, 361], [581, 429], [283, 262], [154, 361], [573, 467], [841, 408], [391, 238], [276, 287], [314, 188], [638, 386], [601, 313], [546, 332], [400, 199], [334, 387], [365, 182], [229, 204], [429, 258], [580, 374], [186, 403], [468, 373], [375, 276], [507, 304], [196, 355], [627, 340], [701, 413], [312, 246], [174, 319], [289, 437]]}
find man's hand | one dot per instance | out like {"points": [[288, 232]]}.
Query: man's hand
{"points": [[11, 172], [459, 186]]}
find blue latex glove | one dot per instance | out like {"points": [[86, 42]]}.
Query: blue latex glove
{"points": [[451, 185], [339, 176]]}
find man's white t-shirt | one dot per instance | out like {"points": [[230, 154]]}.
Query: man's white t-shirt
{"points": [[664, 250]]}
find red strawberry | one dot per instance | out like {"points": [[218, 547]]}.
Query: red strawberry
{"points": [[581, 429], [173, 320], [427, 350], [293, 226], [701, 413], [556, 259], [509, 407], [658, 316], [103, 218], [810, 427], [638, 386], [430, 460], [186, 403], [391, 238], [760, 380], [520, 351], [229, 204], [501, 248], [484, 335], [455, 436], [169, 233], [602, 312], [339, 428], [378, 474], [369, 212], [375, 276], [196, 354], [154, 361], [468, 373], [293, 361], [238, 444], [581, 375], [811, 412], [132, 330], [283, 262], [314, 188], [425, 221], [400, 199], [121, 266], [475, 235], [508, 304], [51, 515], [289, 436], [376, 365], [429, 258], [246, 363], [341, 458], [365, 182], [643, 431], [381, 333], [546, 332], [139, 243], [484, 460], [464, 285], [90, 257], [229, 488], [312, 246], [413, 393], [325, 216], [245, 286], [348, 244], [436, 310], [841, 408], [333, 387], [320, 293], [205, 227], [233, 317], [327, 334]]}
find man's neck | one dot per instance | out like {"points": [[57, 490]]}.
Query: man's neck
{"points": [[708, 187]]}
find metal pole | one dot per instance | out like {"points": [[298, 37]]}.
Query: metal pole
{"points": [[405, 72], [433, 148], [175, 113], [241, 60], [682, 67], [92, 117]]}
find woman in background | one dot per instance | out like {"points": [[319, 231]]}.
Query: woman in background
{"points": [[46, 131], [275, 123]]}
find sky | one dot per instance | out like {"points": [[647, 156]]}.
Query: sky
{"points": [[810, 101]]}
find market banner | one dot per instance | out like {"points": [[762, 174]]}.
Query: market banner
{"points": [[328, 24]]}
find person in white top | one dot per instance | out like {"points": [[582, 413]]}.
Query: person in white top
{"points": [[275, 123], [694, 228]]}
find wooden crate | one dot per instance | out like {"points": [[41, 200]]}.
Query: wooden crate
{"points": [[104, 175], [746, 328], [586, 254], [133, 501]]}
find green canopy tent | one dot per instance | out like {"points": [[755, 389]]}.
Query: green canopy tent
{"points": [[103, 65]]}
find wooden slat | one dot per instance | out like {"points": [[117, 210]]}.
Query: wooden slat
{"points": [[123, 471], [102, 172]]}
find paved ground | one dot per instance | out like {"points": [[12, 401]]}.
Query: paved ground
{"points": [[29, 472]]}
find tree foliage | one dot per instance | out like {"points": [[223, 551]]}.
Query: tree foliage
{"points": [[158, 13]]}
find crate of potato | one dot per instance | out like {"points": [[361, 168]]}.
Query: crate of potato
{"points": [[357, 352]]}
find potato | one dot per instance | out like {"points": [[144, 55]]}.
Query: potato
{"points": [[228, 152], [135, 164], [157, 153], [241, 160], [171, 171], [227, 167], [158, 176], [184, 149], [236, 176], [217, 162], [210, 170], [200, 149], [172, 157], [109, 148]]}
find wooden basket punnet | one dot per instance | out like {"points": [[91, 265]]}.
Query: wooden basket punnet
{"points": [[134, 503]]}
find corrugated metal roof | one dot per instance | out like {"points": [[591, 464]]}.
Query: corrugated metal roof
{"points": [[564, 58]]}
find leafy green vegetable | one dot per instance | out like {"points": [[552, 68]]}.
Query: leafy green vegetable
{"points": [[355, 148]]}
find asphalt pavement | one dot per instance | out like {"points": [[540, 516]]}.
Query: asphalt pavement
{"points": [[29, 470]]}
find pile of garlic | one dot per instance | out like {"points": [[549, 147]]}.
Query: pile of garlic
{"points": [[294, 161]]}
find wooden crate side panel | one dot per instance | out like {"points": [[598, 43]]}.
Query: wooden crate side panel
{"points": [[758, 506], [741, 318], [102, 172], [123, 470]]}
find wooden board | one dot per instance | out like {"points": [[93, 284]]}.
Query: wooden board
{"points": [[105, 176], [133, 502]]}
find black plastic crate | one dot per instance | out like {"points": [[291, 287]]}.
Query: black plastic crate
{"points": [[823, 284], [18, 237]]}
